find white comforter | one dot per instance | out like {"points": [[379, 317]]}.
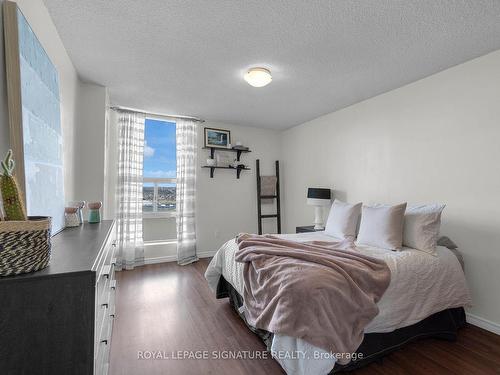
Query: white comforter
{"points": [[421, 285]]}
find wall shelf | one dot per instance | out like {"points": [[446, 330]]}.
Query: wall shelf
{"points": [[238, 170], [238, 152], [212, 156]]}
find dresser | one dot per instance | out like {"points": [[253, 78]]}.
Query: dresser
{"points": [[59, 320]]}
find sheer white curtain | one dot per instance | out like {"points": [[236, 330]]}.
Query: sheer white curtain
{"points": [[186, 134], [129, 190]]}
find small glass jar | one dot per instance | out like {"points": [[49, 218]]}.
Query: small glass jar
{"points": [[80, 205], [94, 212], [71, 217]]}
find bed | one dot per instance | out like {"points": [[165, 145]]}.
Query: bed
{"points": [[425, 298]]}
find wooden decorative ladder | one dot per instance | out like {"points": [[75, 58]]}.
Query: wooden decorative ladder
{"points": [[260, 197]]}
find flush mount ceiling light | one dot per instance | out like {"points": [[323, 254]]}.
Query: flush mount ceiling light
{"points": [[258, 77]]}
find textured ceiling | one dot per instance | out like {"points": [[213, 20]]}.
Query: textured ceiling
{"points": [[189, 57]]}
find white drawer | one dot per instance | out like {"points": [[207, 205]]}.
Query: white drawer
{"points": [[104, 304], [103, 269], [106, 283], [104, 311], [103, 348], [101, 323], [101, 358]]}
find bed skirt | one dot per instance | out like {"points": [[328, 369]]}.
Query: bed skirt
{"points": [[442, 325]]}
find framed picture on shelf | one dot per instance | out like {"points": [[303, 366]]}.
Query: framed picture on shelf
{"points": [[218, 138]]}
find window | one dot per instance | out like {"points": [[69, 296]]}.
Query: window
{"points": [[159, 169]]}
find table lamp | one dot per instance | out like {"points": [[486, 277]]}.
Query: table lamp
{"points": [[319, 198]]}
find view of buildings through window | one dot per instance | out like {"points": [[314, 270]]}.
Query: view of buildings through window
{"points": [[159, 167]]}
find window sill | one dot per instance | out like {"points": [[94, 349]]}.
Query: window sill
{"points": [[160, 242], [159, 215]]}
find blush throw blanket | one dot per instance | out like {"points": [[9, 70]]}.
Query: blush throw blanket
{"points": [[322, 292]]}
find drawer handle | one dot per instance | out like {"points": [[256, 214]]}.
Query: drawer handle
{"points": [[113, 244], [113, 261], [113, 284], [105, 305], [112, 315], [105, 342], [106, 270]]}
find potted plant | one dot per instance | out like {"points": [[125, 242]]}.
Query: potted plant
{"points": [[24, 241]]}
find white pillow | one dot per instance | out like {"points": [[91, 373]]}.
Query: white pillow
{"points": [[382, 226], [343, 220], [421, 227]]}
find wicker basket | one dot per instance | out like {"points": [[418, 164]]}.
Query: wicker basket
{"points": [[24, 245]]}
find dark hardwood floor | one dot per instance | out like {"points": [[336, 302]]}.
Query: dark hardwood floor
{"points": [[169, 308]]}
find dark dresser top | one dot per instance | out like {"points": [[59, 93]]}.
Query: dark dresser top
{"points": [[73, 250]]}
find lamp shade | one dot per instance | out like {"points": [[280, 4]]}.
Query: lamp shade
{"points": [[318, 196]]}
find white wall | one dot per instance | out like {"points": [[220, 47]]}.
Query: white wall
{"points": [[90, 138], [226, 206], [435, 140], [110, 165]]}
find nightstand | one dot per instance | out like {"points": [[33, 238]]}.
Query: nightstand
{"points": [[305, 229]]}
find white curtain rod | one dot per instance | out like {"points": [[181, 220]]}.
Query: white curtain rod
{"points": [[128, 109]]}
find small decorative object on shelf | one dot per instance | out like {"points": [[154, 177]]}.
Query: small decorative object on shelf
{"points": [[71, 218], [80, 205], [16, 254], [94, 212], [223, 159], [11, 196]]}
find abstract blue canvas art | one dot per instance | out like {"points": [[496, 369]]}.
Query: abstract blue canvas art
{"points": [[41, 123]]}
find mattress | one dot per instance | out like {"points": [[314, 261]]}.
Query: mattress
{"points": [[421, 285]]}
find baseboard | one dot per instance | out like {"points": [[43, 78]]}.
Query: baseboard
{"points": [[173, 258], [164, 259], [206, 254], [483, 323]]}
